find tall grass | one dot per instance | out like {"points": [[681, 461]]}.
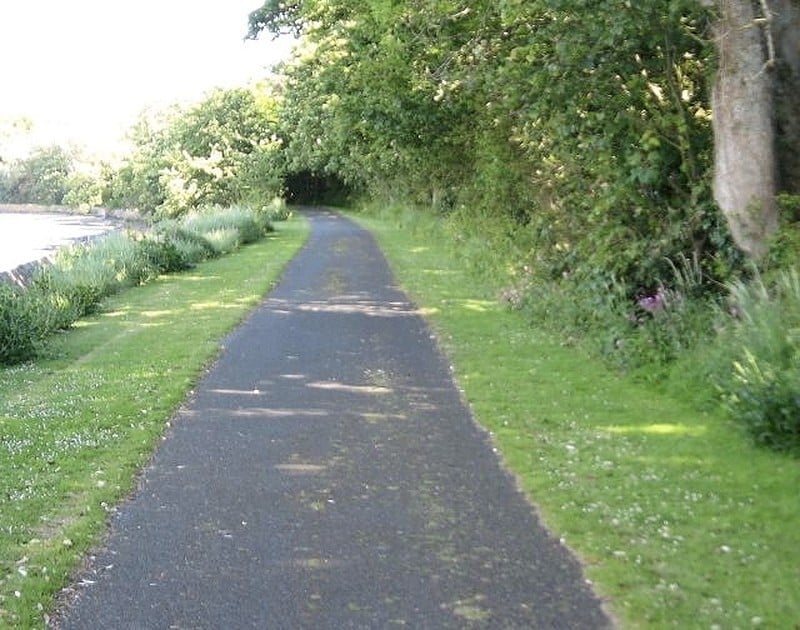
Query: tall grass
{"points": [[81, 276], [226, 228], [761, 388]]}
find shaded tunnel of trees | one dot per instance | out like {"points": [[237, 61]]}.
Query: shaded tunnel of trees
{"points": [[309, 188]]}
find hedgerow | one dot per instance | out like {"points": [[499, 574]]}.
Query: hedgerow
{"points": [[79, 277]]}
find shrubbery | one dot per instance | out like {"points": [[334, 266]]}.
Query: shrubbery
{"points": [[762, 391], [21, 324], [735, 344], [741, 344], [82, 275]]}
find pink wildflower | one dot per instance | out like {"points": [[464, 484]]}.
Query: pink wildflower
{"points": [[652, 303]]}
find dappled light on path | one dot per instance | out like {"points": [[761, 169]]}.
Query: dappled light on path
{"points": [[331, 476], [345, 304], [352, 389]]}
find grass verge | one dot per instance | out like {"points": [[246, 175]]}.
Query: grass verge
{"points": [[76, 426], [678, 520]]}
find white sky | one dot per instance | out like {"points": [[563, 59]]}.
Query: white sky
{"points": [[83, 70]]}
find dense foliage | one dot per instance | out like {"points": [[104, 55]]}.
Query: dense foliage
{"points": [[566, 145], [42, 177], [218, 151], [588, 139]]}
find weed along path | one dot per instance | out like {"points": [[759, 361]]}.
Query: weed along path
{"points": [[326, 474]]}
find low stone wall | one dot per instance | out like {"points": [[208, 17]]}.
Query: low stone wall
{"points": [[22, 275]]}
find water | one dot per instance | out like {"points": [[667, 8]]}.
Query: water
{"points": [[26, 238]]}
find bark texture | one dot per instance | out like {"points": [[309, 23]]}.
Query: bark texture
{"points": [[744, 127], [756, 115]]}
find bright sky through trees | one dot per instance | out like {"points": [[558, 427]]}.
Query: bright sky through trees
{"points": [[83, 70]]}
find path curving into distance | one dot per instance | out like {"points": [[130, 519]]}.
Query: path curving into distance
{"points": [[326, 474]]}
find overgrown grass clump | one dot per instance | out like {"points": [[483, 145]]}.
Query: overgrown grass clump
{"points": [[762, 343], [680, 521], [22, 324], [81, 276], [736, 347], [77, 424]]}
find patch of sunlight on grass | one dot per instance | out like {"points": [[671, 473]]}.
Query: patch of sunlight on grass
{"points": [[151, 325], [427, 311], [198, 277], [659, 429], [83, 324], [210, 306], [156, 314], [480, 306], [438, 272]]}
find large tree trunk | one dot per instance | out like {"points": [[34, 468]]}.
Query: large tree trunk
{"points": [[744, 128], [756, 105]]}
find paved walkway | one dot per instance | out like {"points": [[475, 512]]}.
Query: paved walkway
{"points": [[326, 474]]}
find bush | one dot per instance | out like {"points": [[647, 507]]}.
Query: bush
{"points": [[672, 320], [275, 210], [632, 329], [20, 325], [163, 254], [762, 386]]}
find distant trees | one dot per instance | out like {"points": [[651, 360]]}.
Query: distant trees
{"points": [[41, 178], [219, 151]]}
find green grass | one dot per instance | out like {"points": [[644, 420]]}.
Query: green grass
{"points": [[680, 522], [77, 426]]}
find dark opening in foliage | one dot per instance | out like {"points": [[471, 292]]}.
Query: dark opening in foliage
{"points": [[308, 187]]}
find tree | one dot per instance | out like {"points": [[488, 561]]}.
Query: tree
{"points": [[756, 115], [276, 16], [41, 178], [582, 129], [215, 152], [137, 182], [209, 145]]}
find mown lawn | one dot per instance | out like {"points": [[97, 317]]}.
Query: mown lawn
{"points": [[679, 521], [77, 426]]}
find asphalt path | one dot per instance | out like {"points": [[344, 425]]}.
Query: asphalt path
{"points": [[327, 474]]}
